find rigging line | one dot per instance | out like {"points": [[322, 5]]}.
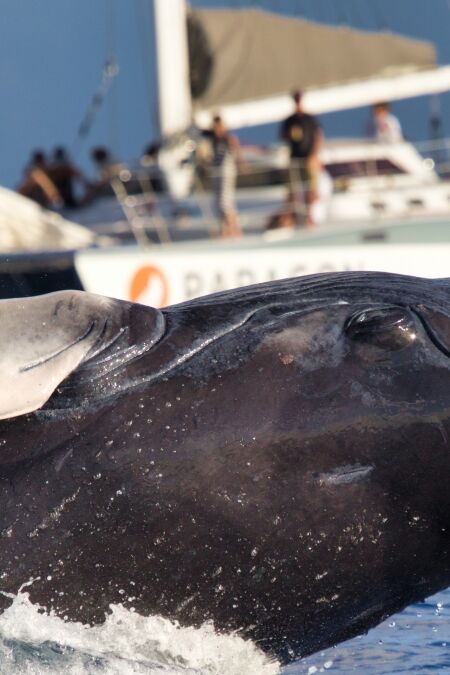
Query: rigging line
{"points": [[342, 15], [300, 10], [321, 15], [143, 20], [309, 10], [313, 10], [109, 72], [357, 14], [381, 22], [109, 27], [113, 117], [333, 16]]}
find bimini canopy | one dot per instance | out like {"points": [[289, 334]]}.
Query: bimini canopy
{"points": [[245, 62]]}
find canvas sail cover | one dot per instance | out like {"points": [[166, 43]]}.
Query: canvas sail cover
{"points": [[239, 55]]}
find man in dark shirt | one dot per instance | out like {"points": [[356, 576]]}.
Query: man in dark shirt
{"points": [[303, 135], [64, 175]]}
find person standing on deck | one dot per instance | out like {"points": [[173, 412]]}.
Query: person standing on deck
{"points": [[384, 127], [225, 159], [303, 135]]}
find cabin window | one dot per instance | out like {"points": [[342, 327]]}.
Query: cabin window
{"points": [[387, 168], [363, 169]]}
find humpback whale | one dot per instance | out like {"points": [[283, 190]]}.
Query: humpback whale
{"points": [[274, 459]]}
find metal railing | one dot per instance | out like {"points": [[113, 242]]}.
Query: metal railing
{"points": [[262, 185]]}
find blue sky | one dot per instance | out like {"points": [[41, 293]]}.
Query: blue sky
{"points": [[52, 54]]}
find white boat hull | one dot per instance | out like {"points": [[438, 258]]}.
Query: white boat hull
{"points": [[170, 274]]}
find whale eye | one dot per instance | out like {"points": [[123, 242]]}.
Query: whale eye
{"points": [[391, 328]]}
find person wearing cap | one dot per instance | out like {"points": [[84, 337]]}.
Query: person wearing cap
{"points": [[303, 135]]}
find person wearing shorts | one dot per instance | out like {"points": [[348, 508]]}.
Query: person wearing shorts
{"points": [[303, 135]]}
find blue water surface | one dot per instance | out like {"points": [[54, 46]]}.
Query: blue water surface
{"points": [[415, 641]]}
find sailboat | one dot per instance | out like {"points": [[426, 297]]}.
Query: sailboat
{"points": [[389, 209]]}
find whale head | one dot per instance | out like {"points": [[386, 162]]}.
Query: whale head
{"points": [[274, 459]]}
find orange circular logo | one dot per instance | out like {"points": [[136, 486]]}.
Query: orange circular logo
{"points": [[149, 286]]}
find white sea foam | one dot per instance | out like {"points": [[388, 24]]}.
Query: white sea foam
{"points": [[35, 643]]}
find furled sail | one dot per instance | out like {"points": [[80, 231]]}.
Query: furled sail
{"points": [[251, 60]]}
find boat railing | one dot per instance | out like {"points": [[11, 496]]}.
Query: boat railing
{"points": [[140, 209], [148, 208]]}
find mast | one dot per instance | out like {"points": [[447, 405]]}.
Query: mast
{"points": [[174, 108]]}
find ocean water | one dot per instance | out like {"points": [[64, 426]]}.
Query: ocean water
{"points": [[415, 641], [34, 643]]}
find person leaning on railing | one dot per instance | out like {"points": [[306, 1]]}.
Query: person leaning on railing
{"points": [[37, 184], [303, 135]]}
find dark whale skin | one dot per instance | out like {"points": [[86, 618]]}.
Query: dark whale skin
{"points": [[278, 462]]}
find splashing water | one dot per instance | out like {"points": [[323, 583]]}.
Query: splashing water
{"points": [[35, 643]]}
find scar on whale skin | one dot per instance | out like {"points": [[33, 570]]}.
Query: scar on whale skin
{"points": [[343, 475]]}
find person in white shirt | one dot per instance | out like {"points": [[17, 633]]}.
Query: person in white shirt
{"points": [[384, 127]]}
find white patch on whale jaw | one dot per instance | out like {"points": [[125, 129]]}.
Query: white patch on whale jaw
{"points": [[44, 339], [29, 376]]}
